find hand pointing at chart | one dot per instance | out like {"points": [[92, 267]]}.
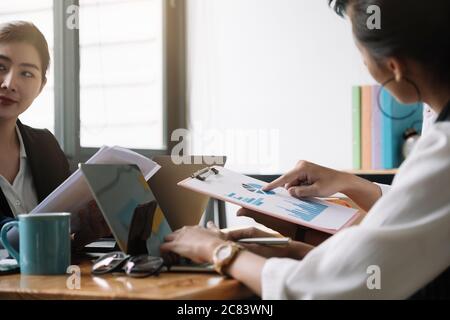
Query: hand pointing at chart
{"points": [[272, 207], [307, 179], [310, 180]]}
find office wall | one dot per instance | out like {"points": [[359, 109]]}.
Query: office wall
{"points": [[269, 83], [278, 72]]}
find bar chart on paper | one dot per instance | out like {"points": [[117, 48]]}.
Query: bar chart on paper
{"points": [[248, 192], [254, 201], [304, 209], [253, 187]]}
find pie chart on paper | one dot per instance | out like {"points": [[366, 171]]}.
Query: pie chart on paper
{"points": [[256, 188]]}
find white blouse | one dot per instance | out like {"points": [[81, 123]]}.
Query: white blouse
{"points": [[21, 195], [401, 245], [429, 118]]}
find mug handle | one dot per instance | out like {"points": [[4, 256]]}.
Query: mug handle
{"points": [[4, 239]]}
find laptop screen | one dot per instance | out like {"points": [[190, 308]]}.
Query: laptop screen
{"points": [[118, 190]]}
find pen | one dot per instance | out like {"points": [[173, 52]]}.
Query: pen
{"points": [[272, 241]]}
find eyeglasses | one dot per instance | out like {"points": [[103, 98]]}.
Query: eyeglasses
{"points": [[139, 266]]}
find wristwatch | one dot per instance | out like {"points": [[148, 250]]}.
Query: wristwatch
{"points": [[224, 254]]}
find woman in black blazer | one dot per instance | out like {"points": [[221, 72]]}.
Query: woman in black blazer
{"points": [[32, 163]]}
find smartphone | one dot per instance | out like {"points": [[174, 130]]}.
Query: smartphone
{"points": [[271, 241]]}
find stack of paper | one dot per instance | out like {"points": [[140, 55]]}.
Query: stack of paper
{"points": [[74, 194]]}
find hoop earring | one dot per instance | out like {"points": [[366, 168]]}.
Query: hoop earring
{"points": [[391, 116]]}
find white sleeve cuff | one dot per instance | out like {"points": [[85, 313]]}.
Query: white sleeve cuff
{"points": [[273, 277]]}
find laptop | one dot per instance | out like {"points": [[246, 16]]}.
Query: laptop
{"points": [[119, 189], [181, 207]]}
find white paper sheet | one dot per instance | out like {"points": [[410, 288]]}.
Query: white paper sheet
{"points": [[74, 194], [245, 191]]}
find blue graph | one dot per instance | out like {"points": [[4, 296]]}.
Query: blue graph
{"points": [[254, 201], [253, 187], [304, 209]]}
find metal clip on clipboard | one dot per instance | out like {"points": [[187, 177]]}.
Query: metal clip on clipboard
{"points": [[204, 173]]}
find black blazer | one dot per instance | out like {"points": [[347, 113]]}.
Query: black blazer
{"points": [[48, 164]]}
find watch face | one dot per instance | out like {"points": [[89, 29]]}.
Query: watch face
{"points": [[224, 252]]}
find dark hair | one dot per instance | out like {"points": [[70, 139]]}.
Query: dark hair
{"points": [[414, 29], [22, 31]]}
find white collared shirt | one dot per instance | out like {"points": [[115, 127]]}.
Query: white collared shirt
{"points": [[429, 118], [21, 195], [400, 247]]}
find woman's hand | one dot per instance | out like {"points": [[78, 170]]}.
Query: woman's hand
{"points": [[310, 180], [305, 180], [88, 225], [248, 232], [198, 244], [195, 243], [294, 249], [283, 227]]}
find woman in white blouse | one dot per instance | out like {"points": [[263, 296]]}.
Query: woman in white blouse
{"points": [[403, 244]]}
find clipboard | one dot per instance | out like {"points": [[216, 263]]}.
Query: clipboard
{"points": [[244, 191]]}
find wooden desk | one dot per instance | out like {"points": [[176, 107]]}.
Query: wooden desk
{"points": [[165, 286]]}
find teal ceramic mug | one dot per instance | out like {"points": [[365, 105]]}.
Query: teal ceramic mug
{"points": [[44, 242]]}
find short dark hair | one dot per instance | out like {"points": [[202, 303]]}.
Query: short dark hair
{"points": [[22, 31], [414, 29]]}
